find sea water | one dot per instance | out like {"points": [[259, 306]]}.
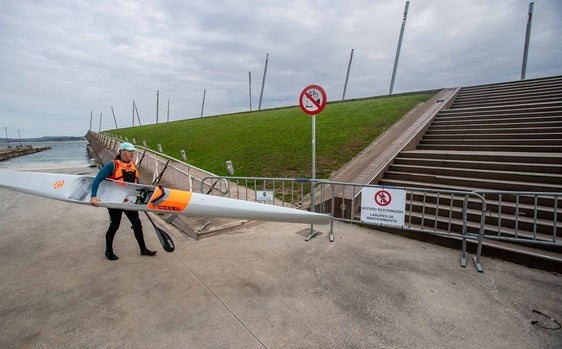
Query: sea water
{"points": [[61, 154]]}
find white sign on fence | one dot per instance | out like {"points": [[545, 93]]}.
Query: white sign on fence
{"points": [[266, 196], [383, 206]]}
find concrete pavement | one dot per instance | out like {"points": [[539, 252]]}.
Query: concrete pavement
{"points": [[262, 286]]}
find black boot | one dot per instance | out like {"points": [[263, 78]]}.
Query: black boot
{"points": [[111, 256], [109, 236], [147, 252]]}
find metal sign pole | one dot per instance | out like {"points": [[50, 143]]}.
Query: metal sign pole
{"points": [[314, 147], [313, 181], [312, 101]]}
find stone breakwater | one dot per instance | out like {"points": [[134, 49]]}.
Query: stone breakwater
{"points": [[9, 153]]}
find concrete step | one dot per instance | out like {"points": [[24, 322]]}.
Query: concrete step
{"points": [[503, 119], [495, 130], [533, 91], [475, 115], [507, 224], [531, 177], [496, 148], [430, 136], [455, 225], [530, 116], [528, 255], [491, 124], [540, 206], [492, 142], [509, 156], [507, 101], [398, 179], [540, 106], [515, 85], [517, 108], [503, 108], [530, 84], [494, 137], [520, 254], [524, 246], [510, 227], [530, 167], [536, 93], [545, 206], [500, 94]]}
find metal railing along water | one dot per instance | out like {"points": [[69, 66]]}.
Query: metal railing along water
{"points": [[165, 168]]}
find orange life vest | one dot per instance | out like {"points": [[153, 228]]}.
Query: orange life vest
{"points": [[125, 172]]}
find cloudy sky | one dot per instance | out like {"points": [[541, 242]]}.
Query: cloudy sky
{"points": [[61, 60]]}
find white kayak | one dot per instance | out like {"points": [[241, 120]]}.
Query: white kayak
{"points": [[138, 197]]}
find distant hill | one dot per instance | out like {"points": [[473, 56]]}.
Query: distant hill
{"points": [[44, 139]]}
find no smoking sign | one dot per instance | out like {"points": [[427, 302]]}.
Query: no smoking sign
{"points": [[313, 99]]}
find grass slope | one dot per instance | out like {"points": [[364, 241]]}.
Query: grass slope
{"points": [[277, 142]]}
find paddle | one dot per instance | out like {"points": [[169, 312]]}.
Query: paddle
{"points": [[164, 238]]}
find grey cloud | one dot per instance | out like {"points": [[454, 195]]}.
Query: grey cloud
{"points": [[62, 59]]}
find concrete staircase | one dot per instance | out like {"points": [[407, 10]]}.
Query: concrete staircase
{"points": [[505, 136]]}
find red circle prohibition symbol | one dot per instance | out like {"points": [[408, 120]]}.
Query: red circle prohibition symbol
{"points": [[310, 101], [383, 198]]}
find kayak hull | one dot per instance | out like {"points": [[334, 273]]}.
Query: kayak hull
{"points": [[138, 197]]}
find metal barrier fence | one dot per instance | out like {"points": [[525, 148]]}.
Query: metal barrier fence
{"points": [[530, 217], [430, 211], [522, 217]]}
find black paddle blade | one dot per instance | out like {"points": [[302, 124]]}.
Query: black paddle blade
{"points": [[165, 240]]}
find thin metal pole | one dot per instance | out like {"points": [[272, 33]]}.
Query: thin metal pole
{"points": [[314, 146], [313, 181], [168, 116], [250, 88], [99, 130], [114, 119], [133, 124], [347, 74], [157, 102], [527, 39], [398, 48], [203, 103], [263, 79]]}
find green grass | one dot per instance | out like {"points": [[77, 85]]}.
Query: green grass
{"points": [[277, 142]]}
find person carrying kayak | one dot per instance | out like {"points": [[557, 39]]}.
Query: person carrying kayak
{"points": [[121, 169]]}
